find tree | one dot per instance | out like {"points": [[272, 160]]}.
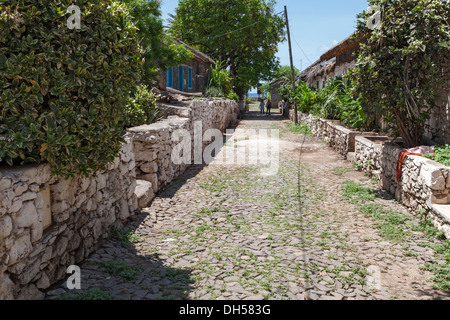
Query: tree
{"points": [[242, 33], [161, 51], [399, 63], [284, 72]]}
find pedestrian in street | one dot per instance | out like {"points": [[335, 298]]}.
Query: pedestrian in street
{"points": [[284, 107], [261, 106], [269, 107]]}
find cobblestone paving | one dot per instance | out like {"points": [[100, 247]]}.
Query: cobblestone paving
{"points": [[232, 233]]}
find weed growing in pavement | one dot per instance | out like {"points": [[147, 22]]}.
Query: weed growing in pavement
{"points": [[399, 227], [299, 128], [91, 294], [125, 237], [341, 170], [355, 192], [120, 269]]}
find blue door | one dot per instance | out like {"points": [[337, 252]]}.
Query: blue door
{"points": [[180, 78], [190, 78], [170, 78]]}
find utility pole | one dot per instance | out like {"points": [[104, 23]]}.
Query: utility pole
{"points": [[292, 63]]}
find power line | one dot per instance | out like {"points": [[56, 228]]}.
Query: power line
{"points": [[302, 50]]}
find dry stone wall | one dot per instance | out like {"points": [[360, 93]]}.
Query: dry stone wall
{"points": [[424, 184], [48, 223], [338, 137], [153, 144]]}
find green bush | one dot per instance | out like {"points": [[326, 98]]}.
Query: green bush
{"points": [[441, 154], [214, 92], [220, 80], [233, 96], [63, 92], [141, 108]]}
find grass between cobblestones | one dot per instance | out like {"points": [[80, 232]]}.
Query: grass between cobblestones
{"points": [[398, 227]]}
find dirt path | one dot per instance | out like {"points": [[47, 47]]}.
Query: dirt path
{"points": [[238, 232]]}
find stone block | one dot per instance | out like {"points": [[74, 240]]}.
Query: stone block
{"points": [[144, 193], [149, 167], [5, 227], [27, 216], [433, 178], [6, 287], [20, 249], [19, 188]]}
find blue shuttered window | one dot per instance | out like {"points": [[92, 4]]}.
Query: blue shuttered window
{"points": [[190, 78], [170, 78]]}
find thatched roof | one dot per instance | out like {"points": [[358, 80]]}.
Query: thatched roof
{"points": [[340, 48], [319, 68], [198, 54], [327, 62]]}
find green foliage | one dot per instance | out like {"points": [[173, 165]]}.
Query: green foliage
{"points": [[161, 51], [398, 65], [356, 192], [214, 92], [120, 269], [244, 33], [88, 295], [141, 108], [441, 154], [285, 72], [63, 92], [233, 96], [220, 80], [336, 102], [299, 128]]}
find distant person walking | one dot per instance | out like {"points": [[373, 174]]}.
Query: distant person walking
{"points": [[261, 106], [269, 107]]}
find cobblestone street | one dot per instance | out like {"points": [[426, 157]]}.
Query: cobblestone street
{"points": [[233, 233]]}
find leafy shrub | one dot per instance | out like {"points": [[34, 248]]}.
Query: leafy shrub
{"points": [[233, 96], [441, 155], [62, 91], [220, 79], [160, 50], [336, 102], [214, 92], [141, 108]]}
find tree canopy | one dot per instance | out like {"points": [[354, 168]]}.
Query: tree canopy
{"points": [[399, 63], [244, 34], [161, 51]]}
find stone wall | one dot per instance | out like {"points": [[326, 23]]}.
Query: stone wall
{"points": [[338, 137], [48, 223], [424, 184], [153, 144]]}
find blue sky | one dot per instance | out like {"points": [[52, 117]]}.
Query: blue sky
{"points": [[316, 26]]}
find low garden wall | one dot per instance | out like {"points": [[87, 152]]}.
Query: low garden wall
{"points": [[48, 223], [153, 144], [424, 184], [338, 137]]}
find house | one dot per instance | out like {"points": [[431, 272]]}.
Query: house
{"points": [[275, 96], [333, 64], [190, 77]]}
